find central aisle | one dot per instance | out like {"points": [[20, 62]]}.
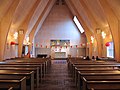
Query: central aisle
{"points": [[58, 77]]}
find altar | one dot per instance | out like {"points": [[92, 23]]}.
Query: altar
{"points": [[60, 55]]}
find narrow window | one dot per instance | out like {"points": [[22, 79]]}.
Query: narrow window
{"points": [[110, 50], [78, 24]]}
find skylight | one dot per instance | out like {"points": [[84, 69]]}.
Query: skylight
{"points": [[78, 24]]}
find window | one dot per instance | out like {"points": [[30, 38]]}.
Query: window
{"points": [[78, 24], [110, 50]]}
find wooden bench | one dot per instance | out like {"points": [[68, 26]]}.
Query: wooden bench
{"points": [[36, 72], [101, 82], [42, 65], [95, 73], [83, 63], [89, 62], [90, 69], [26, 66], [94, 66], [18, 82], [29, 76], [45, 63], [11, 88]]}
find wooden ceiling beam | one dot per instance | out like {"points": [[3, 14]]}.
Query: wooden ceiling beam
{"points": [[40, 20]]}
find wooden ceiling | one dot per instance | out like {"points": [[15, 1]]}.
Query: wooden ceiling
{"points": [[90, 12]]}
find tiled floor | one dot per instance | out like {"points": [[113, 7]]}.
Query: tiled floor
{"points": [[58, 77]]}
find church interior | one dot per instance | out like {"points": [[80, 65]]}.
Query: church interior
{"points": [[59, 45]]}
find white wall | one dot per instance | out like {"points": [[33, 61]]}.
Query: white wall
{"points": [[42, 51], [59, 25], [11, 51]]}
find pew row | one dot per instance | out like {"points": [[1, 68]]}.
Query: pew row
{"points": [[101, 82], [11, 88], [36, 72], [18, 82], [29, 76], [95, 73], [37, 66]]}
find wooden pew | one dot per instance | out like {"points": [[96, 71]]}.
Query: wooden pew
{"points": [[11, 88], [101, 82], [95, 73], [18, 82], [92, 89], [29, 75], [36, 72], [89, 62], [25, 63], [42, 65], [26, 66], [90, 69], [80, 65], [45, 62], [94, 66], [85, 63]]}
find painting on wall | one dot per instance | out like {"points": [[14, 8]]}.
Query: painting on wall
{"points": [[60, 43]]}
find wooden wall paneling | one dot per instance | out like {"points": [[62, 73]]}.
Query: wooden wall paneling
{"points": [[5, 25], [4, 6], [114, 26]]}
